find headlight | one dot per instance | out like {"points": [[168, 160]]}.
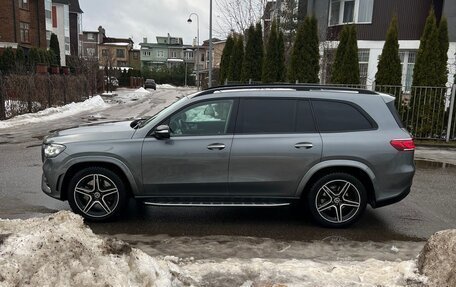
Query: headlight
{"points": [[53, 150]]}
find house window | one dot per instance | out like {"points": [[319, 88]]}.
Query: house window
{"points": [[25, 32], [202, 57], [135, 56], [408, 64], [173, 54], [160, 54], [363, 58], [90, 52], [24, 4], [120, 53], [121, 64], [90, 36], [188, 55], [146, 53], [350, 11], [104, 52]]}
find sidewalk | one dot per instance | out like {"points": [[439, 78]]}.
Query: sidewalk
{"points": [[445, 155]]}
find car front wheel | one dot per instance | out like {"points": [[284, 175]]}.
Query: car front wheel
{"points": [[337, 200], [97, 193]]}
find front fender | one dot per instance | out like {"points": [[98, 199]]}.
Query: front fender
{"points": [[135, 188], [334, 163]]}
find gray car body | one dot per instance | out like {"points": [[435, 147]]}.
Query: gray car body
{"points": [[251, 166]]}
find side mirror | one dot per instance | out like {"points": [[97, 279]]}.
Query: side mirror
{"points": [[162, 132]]}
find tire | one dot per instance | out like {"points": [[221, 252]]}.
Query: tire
{"points": [[336, 200], [97, 202]]}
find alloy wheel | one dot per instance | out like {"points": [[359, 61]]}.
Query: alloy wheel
{"points": [[338, 201], [96, 195]]}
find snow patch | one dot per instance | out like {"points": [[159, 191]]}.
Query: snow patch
{"points": [[166, 86], [59, 250], [142, 90], [49, 114]]}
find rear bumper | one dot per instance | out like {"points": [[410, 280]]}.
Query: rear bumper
{"points": [[390, 200]]}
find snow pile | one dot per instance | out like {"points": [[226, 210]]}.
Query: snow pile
{"points": [[437, 260], [142, 90], [59, 250], [262, 272], [94, 103], [166, 86]]}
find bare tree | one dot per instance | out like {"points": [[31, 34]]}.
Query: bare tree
{"points": [[237, 15]]}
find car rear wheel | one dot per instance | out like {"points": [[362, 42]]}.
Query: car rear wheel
{"points": [[97, 193], [337, 200]]}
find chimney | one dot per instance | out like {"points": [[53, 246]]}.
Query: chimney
{"points": [[145, 40]]}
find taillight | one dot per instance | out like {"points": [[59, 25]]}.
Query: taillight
{"points": [[403, 144]]}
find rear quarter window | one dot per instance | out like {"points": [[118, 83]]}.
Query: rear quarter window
{"points": [[338, 116], [395, 114]]}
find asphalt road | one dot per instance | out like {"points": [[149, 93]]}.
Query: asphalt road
{"points": [[430, 206]]}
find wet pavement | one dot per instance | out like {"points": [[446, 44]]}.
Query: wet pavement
{"points": [[193, 232]]}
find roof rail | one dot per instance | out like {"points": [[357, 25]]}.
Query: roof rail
{"points": [[297, 87]]}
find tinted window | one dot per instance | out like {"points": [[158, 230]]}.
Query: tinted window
{"points": [[338, 117], [266, 116], [304, 118], [206, 118]]}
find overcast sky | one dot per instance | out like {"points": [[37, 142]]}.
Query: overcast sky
{"points": [[147, 18]]}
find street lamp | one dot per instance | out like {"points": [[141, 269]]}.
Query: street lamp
{"points": [[197, 45]]}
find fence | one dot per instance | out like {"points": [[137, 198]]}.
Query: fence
{"points": [[21, 94], [427, 112]]}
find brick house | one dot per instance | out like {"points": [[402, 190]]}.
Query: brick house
{"points": [[22, 23]]}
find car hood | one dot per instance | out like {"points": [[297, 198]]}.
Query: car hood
{"points": [[93, 132]]}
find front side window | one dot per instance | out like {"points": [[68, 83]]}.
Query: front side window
{"points": [[206, 118], [335, 116]]}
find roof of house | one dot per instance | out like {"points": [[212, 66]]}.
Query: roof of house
{"points": [[111, 40], [74, 6]]}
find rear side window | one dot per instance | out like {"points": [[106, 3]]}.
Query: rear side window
{"points": [[260, 116], [333, 116], [304, 119], [395, 114]]}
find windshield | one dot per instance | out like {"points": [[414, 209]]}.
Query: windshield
{"points": [[144, 123]]}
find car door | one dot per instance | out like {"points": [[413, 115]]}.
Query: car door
{"points": [[274, 145], [194, 160]]}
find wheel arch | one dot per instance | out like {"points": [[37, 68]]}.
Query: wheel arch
{"points": [[357, 169], [112, 164]]}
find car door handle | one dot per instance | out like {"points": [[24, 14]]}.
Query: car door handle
{"points": [[218, 146], [304, 145]]}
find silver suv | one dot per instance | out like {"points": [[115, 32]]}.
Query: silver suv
{"points": [[336, 150]]}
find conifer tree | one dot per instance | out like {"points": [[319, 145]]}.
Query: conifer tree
{"points": [[430, 71], [443, 50], [304, 66], [259, 52], [237, 55], [280, 61], [20, 57], [8, 60], [248, 64], [271, 54], [226, 59], [389, 70], [54, 46], [346, 66]]}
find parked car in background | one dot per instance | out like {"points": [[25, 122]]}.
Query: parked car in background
{"points": [[333, 149], [150, 84], [113, 81]]}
